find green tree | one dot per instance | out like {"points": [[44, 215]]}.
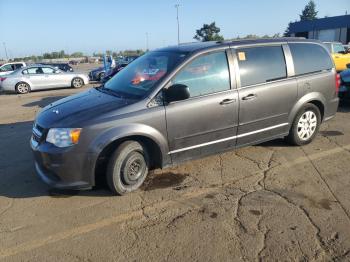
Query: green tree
{"points": [[77, 54], [309, 12], [287, 31], [209, 32]]}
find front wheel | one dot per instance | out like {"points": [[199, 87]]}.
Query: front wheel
{"points": [[127, 168], [305, 126]]}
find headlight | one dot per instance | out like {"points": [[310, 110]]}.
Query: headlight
{"points": [[63, 137]]}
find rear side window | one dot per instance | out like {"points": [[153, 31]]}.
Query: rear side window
{"points": [[310, 58], [206, 74], [261, 64]]}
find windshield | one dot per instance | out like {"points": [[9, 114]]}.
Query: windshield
{"points": [[338, 48], [141, 76]]}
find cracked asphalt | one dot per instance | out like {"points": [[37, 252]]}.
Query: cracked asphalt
{"points": [[268, 202]]}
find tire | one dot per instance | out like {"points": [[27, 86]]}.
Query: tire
{"points": [[305, 125], [101, 76], [22, 88], [127, 168], [77, 82]]}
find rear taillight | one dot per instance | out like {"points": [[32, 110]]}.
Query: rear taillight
{"points": [[337, 83], [2, 79]]}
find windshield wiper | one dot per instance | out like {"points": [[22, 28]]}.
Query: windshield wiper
{"points": [[108, 91]]}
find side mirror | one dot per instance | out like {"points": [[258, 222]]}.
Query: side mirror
{"points": [[176, 92], [342, 52]]}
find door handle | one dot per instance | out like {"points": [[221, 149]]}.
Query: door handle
{"points": [[249, 97], [227, 101]]}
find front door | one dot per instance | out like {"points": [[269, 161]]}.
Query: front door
{"points": [[206, 122], [266, 94]]}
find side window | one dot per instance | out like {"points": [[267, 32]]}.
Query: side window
{"points": [[17, 66], [310, 58], [25, 72], [261, 64], [48, 70], [205, 75], [34, 70]]}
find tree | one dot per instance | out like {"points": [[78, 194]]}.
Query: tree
{"points": [[208, 33], [309, 12], [287, 31]]}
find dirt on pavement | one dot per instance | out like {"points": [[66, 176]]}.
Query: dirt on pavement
{"points": [[268, 202]]}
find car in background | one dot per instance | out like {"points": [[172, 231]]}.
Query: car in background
{"points": [[97, 74], [73, 62], [340, 56], [113, 72], [38, 77], [8, 68], [62, 66]]}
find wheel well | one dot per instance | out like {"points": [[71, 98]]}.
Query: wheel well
{"points": [[20, 82], [151, 147], [320, 107]]}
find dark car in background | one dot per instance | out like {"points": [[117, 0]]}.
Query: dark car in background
{"points": [[344, 89], [113, 72], [62, 66], [97, 74]]}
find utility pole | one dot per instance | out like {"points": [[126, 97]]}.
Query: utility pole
{"points": [[7, 58], [178, 23], [146, 41]]}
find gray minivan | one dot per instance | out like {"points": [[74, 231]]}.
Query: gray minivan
{"points": [[185, 102]]}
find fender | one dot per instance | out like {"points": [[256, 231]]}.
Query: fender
{"points": [[127, 130], [313, 96]]}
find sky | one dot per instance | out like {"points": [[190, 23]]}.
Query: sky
{"points": [[33, 27]]}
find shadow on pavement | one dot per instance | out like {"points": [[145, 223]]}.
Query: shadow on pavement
{"points": [[344, 105], [18, 178], [44, 101]]}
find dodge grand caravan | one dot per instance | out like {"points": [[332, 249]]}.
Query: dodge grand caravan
{"points": [[185, 102]]}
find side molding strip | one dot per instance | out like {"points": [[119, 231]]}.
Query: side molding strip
{"points": [[226, 139]]}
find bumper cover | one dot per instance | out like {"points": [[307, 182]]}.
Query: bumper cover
{"points": [[63, 168]]}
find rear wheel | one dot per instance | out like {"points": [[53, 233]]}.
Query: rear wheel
{"points": [[22, 88], [77, 82], [127, 168], [305, 126]]}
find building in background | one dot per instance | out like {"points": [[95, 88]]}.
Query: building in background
{"points": [[328, 29]]}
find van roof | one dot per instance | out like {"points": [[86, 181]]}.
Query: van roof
{"points": [[198, 46]]}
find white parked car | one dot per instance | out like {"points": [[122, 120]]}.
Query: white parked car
{"points": [[38, 77], [8, 68]]}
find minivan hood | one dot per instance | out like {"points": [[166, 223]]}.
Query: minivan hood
{"points": [[74, 110]]}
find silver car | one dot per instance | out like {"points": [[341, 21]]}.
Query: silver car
{"points": [[38, 77]]}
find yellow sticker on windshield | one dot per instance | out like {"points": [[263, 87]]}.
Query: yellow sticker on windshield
{"points": [[241, 56]]}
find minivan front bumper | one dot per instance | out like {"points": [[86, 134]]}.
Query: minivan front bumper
{"points": [[62, 168]]}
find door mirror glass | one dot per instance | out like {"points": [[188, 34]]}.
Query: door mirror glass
{"points": [[176, 92]]}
